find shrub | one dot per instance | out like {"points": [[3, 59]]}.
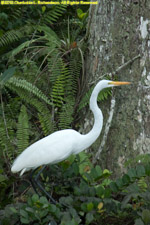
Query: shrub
{"points": [[86, 195]]}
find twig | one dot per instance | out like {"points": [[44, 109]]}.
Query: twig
{"points": [[118, 69], [126, 64], [107, 127]]}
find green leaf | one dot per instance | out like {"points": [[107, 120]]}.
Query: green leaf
{"points": [[92, 192], [119, 182], [84, 162], [29, 209], [147, 169], [66, 200], [79, 11], [66, 218], [84, 207], [72, 222], [94, 173], [71, 159], [23, 213], [2, 178], [100, 191], [7, 75], [140, 170], [126, 200], [146, 216], [75, 169], [81, 14], [106, 182], [133, 188], [17, 50], [132, 173], [13, 209], [106, 173], [43, 9], [82, 156], [77, 191], [87, 177], [98, 170], [139, 222], [35, 198], [25, 220], [90, 206], [114, 187], [107, 192], [89, 218], [53, 208], [125, 179], [43, 200]]}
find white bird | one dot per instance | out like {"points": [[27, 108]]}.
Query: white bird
{"points": [[59, 145]]}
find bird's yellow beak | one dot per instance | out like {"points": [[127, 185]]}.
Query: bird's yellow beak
{"points": [[118, 83]]}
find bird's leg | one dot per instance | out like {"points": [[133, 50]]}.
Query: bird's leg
{"points": [[36, 181], [32, 180]]}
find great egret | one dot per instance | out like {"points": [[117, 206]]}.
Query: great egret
{"points": [[58, 146]]}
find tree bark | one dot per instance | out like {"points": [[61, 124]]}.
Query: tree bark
{"points": [[119, 32]]}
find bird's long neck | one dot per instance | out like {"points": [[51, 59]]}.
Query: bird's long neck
{"points": [[98, 117]]}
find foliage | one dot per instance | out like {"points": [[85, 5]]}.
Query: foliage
{"points": [[87, 196], [50, 15], [42, 61]]}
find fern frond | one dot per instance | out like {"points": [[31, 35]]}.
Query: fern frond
{"points": [[7, 138], [75, 66], [17, 13], [66, 114], [55, 64], [24, 95], [44, 114], [23, 84], [14, 35], [142, 184], [46, 122], [22, 130], [10, 37], [52, 15], [59, 87]]}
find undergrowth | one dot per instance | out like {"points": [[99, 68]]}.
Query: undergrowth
{"points": [[85, 195]]}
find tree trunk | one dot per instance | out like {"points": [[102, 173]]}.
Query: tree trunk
{"points": [[119, 33]]}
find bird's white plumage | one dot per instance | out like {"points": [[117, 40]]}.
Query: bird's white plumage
{"points": [[59, 145], [48, 150]]}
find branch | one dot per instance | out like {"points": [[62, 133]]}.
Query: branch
{"points": [[126, 64], [117, 70], [107, 127]]}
